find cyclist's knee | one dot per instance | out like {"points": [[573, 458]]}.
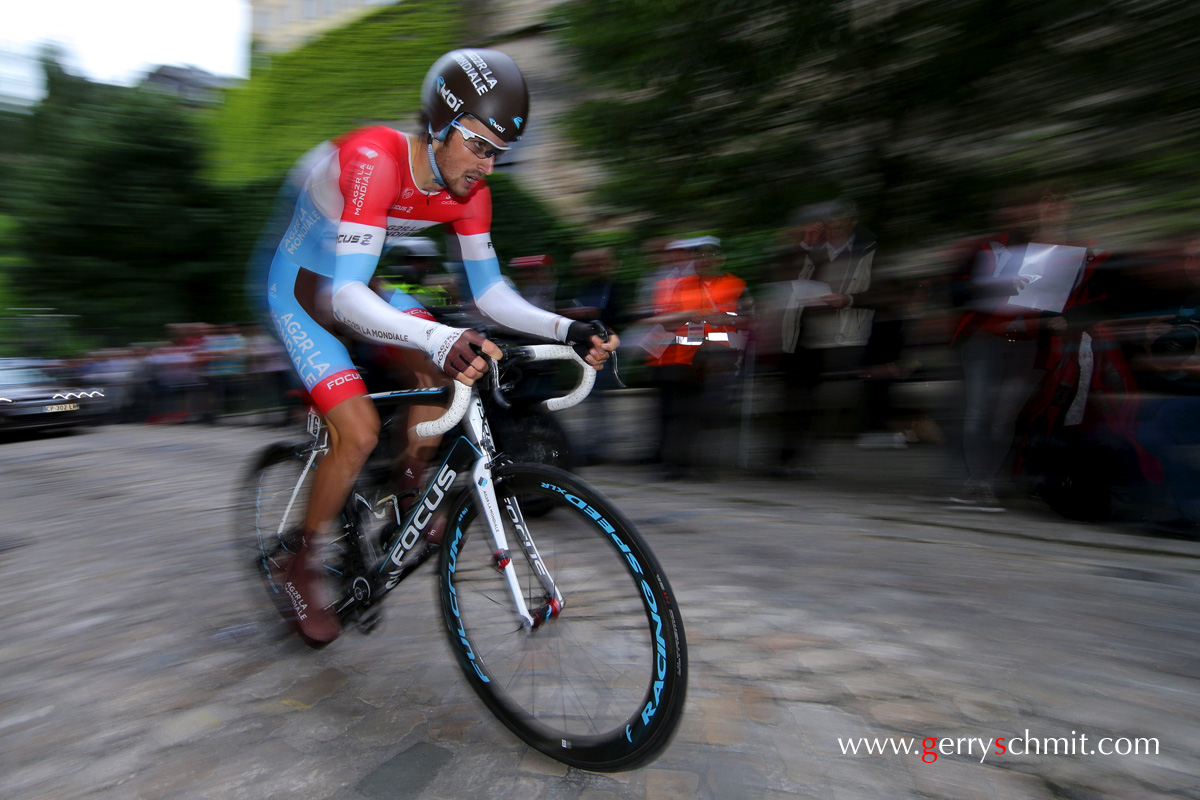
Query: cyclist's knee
{"points": [[359, 442], [355, 429]]}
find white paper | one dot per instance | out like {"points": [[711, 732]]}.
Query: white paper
{"points": [[1052, 270], [808, 293], [656, 341]]}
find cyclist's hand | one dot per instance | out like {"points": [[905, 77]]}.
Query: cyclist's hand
{"points": [[463, 360], [593, 342]]}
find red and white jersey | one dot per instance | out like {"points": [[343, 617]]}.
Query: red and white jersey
{"points": [[359, 194]]}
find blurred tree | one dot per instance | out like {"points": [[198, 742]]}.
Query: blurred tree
{"points": [[522, 225], [729, 114], [114, 221], [366, 72]]}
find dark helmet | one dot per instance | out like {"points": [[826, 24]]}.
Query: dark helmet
{"points": [[483, 83]]}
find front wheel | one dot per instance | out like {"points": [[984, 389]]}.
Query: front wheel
{"points": [[601, 685]]}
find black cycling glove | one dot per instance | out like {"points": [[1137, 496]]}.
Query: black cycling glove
{"points": [[461, 352], [580, 334]]}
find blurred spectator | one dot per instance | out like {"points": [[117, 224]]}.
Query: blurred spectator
{"points": [[826, 319], [1171, 353], [222, 355], [669, 259], [535, 280], [1003, 330], [599, 296], [885, 360], [174, 377], [704, 315], [118, 372], [268, 364]]}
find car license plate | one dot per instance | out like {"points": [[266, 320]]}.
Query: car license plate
{"points": [[62, 407]]}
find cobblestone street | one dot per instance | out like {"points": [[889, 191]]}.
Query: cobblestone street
{"points": [[139, 660]]}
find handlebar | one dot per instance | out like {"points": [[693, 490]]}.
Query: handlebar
{"points": [[525, 353]]}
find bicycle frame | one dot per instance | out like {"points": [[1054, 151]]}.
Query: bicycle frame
{"points": [[472, 453]]}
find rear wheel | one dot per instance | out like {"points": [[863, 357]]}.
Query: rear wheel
{"points": [[600, 685], [273, 503]]}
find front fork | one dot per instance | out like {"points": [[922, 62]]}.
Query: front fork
{"points": [[484, 485]]}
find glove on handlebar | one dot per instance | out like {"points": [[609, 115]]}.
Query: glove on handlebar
{"points": [[580, 334], [453, 349]]}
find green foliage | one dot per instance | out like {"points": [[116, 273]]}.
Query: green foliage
{"points": [[726, 115], [115, 224], [9, 259], [522, 225], [368, 71]]}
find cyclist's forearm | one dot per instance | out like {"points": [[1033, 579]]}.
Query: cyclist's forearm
{"points": [[372, 317], [505, 307]]}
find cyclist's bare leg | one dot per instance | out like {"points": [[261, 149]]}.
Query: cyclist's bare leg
{"points": [[413, 452], [353, 426], [353, 431]]}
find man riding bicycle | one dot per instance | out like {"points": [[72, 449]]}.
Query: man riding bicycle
{"points": [[360, 191]]}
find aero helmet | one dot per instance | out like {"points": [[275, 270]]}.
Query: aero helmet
{"points": [[483, 83]]}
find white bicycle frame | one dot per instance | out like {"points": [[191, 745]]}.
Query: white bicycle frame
{"points": [[467, 407]]}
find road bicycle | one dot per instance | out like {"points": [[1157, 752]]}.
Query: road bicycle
{"points": [[564, 624]]}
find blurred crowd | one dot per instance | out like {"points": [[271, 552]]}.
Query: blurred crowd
{"points": [[1036, 362], [198, 373]]}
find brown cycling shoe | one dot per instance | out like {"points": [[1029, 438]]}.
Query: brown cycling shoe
{"points": [[276, 562], [303, 586]]}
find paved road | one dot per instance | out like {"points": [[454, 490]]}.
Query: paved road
{"points": [[137, 660]]}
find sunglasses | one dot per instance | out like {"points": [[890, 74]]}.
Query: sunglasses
{"points": [[480, 146]]}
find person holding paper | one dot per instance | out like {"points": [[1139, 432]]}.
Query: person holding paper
{"points": [[826, 321], [1003, 328]]}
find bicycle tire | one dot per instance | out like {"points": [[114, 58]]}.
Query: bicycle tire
{"points": [[268, 493], [602, 685]]}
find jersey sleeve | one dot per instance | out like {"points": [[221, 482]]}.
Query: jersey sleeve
{"points": [[369, 182], [494, 298]]}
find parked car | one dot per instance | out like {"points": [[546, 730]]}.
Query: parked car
{"points": [[31, 398]]}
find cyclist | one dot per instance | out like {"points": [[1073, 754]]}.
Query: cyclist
{"points": [[359, 191]]}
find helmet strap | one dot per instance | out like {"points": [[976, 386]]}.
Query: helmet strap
{"points": [[437, 173], [440, 136]]}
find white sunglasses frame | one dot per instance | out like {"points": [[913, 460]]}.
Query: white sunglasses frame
{"points": [[494, 150]]}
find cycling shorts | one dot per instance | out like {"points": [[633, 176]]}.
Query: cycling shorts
{"points": [[297, 298]]}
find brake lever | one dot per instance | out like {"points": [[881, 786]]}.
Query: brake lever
{"points": [[497, 393], [492, 376], [616, 375], [603, 333]]}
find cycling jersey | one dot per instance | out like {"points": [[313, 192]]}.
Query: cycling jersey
{"points": [[359, 195]]}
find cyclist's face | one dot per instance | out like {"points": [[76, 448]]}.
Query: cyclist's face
{"points": [[461, 168]]}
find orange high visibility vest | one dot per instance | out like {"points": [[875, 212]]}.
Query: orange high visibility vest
{"points": [[710, 299]]}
